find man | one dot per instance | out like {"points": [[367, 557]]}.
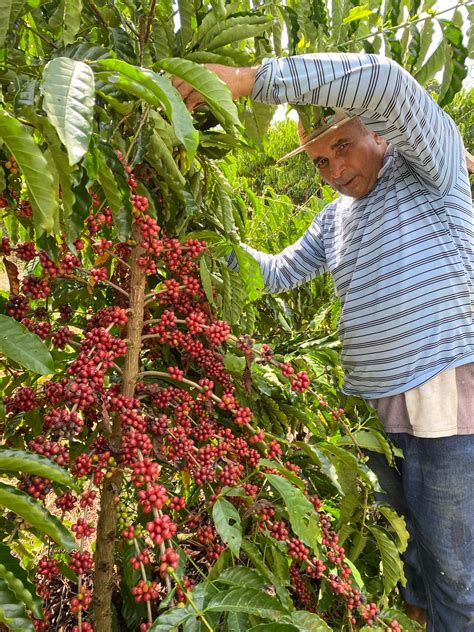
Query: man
{"points": [[399, 242]]}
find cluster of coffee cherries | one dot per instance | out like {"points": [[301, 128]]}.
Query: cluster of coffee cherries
{"points": [[186, 438]]}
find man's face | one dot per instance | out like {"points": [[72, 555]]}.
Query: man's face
{"points": [[349, 158]]}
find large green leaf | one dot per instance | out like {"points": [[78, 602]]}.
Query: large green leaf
{"points": [[160, 157], [36, 515], [34, 166], [237, 622], [326, 466], [68, 88], [392, 568], [12, 611], [72, 20], [156, 90], [171, 619], [303, 517], [235, 29], [307, 621], [227, 522], [112, 177], [398, 524], [242, 576], [23, 461], [21, 345], [249, 600], [370, 440], [18, 581], [186, 18], [185, 615], [456, 69], [250, 273], [433, 64], [215, 92], [9, 10]]}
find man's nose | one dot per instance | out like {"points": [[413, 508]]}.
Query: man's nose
{"points": [[337, 167]]}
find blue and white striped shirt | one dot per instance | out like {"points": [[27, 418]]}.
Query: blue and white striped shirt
{"points": [[402, 257]]}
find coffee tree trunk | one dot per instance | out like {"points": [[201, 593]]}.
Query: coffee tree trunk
{"points": [[104, 578]]}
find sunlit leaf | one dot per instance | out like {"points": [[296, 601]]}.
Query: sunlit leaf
{"points": [[214, 91], [21, 345], [68, 88], [72, 20], [357, 13], [21, 461], [34, 166], [249, 600], [303, 517], [227, 522], [36, 515]]}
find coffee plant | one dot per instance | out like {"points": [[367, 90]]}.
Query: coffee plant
{"points": [[174, 462]]}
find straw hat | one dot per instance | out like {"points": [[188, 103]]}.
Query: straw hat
{"points": [[330, 120]]}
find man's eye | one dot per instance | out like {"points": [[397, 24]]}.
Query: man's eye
{"points": [[321, 163]]}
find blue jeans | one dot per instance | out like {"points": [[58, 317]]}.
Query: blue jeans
{"points": [[434, 489]]}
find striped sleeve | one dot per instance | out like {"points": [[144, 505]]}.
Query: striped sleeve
{"points": [[383, 94], [300, 262]]}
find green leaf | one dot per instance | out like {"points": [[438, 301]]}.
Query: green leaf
{"points": [[171, 619], [235, 29], [186, 18], [36, 515], [206, 280], [237, 622], [257, 120], [358, 13], [23, 461], [9, 10], [370, 440], [323, 462], [249, 600], [456, 69], [242, 576], [253, 553], [392, 568], [433, 64], [398, 524], [18, 581], [250, 273], [72, 20], [68, 89], [308, 621], [162, 160], [22, 346], [156, 90], [215, 92], [12, 611], [112, 177], [227, 522], [34, 166], [303, 518]]}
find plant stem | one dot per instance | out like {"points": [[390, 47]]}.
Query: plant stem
{"points": [[104, 577]]}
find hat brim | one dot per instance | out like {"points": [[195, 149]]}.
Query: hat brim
{"points": [[312, 140]]}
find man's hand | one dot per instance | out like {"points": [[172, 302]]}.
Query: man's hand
{"points": [[239, 81]]}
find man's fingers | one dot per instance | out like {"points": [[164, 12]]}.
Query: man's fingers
{"points": [[193, 100]]}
